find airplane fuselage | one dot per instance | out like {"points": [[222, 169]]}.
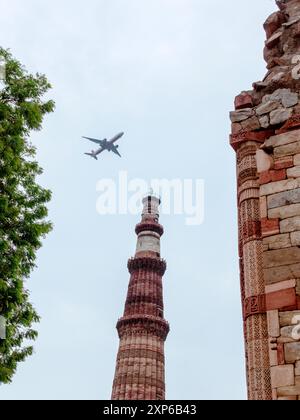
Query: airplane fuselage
{"points": [[105, 145]]}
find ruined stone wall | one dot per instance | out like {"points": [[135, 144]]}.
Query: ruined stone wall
{"points": [[266, 138], [280, 216]]}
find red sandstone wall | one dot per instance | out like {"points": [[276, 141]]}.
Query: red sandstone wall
{"points": [[266, 138], [280, 215]]}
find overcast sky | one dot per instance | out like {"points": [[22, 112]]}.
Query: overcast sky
{"points": [[166, 72]]}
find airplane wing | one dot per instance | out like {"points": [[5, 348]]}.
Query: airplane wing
{"points": [[95, 153], [92, 155], [93, 140], [115, 150]]}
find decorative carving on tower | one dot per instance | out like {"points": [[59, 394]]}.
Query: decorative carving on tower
{"points": [[140, 368], [266, 138]]}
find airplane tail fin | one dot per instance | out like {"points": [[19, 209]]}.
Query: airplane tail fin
{"points": [[92, 155]]}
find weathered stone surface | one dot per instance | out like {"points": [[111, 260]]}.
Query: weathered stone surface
{"points": [[291, 100], [287, 332], [236, 128], [273, 356], [280, 186], [296, 30], [291, 124], [277, 274], [284, 163], [282, 376], [295, 238], [259, 85], [287, 284], [286, 318], [251, 124], [290, 225], [274, 40], [277, 77], [263, 207], [264, 161], [297, 109], [286, 256], [285, 96], [236, 140], [273, 323], [298, 287], [284, 199], [270, 56], [280, 353], [290, 391], [270, 227], [297, 160], [280, 115], [274, 22], [267, 107], [283, 139], [241, 115], [244, 100], [289, 149], [281, 300], [272, 176], [293, 172], [264, 121], [297, 369], [274, 392], [290, 7], [292, 352], [277, 241], [284, 340], [291, 22], [284, 212]]}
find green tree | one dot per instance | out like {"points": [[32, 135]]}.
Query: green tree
{"points": [[23, 211]]}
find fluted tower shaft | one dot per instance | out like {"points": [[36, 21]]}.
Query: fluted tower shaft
{"points": [[140, 367]]}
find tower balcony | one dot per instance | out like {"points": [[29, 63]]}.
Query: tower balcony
{"points": [[143, 324], [147, 263]]}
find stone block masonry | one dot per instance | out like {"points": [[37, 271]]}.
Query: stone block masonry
{"points": [[266, 139]]}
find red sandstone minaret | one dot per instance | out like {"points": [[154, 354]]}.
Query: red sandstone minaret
{"points": [[140, 369]]}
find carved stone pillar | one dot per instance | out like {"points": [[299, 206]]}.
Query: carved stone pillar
{"points": [[251, 272]]}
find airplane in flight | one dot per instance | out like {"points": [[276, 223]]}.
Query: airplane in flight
{"points": [[104, 145]]}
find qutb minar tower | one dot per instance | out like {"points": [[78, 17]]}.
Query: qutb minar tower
{"points": [[140, 368]]}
